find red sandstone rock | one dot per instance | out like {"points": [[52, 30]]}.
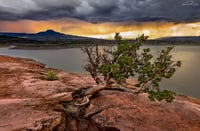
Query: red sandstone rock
{"points": [[28, 102]]}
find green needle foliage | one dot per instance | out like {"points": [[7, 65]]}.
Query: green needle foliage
{"points": [[127, 60], [160, 95], [151, 71]]}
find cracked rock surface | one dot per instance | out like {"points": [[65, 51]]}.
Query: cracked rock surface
{"points": [[29, 102]]}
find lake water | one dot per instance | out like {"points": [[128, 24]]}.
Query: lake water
{"points": [[185, 81]]}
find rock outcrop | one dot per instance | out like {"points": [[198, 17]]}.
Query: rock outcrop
{"points": [[29, 102]]}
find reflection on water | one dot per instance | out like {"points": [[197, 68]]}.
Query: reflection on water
{"points": [[186, 80], [67, 59]]}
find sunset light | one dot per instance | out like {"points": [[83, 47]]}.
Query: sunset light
{"points": [[95, 65], [104, 30]]}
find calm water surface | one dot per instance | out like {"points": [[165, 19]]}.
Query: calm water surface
{"points": [[185, 81]]}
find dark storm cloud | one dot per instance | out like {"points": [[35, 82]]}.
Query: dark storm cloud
{"points": [[102, 11], [37, 9]]}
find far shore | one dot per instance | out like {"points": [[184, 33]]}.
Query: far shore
{"points": [[65, 46]]}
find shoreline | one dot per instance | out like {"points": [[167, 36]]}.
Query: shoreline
{"points": [[87, 74], [50, 47]]}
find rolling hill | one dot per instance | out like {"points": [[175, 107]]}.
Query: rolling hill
{"points": [[181, 39], [57, 38], [15, 40]]}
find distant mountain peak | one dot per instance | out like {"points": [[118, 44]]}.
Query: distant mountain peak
{"points": [[47, 35], [50, 31]]}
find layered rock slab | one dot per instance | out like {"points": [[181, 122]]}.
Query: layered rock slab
{"points": [[29, 102]]}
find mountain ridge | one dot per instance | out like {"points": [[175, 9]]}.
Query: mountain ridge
{"points": [[53, 36], [183, 39], [48, 35]]}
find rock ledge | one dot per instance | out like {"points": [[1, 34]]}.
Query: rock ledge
{"points": [[28, 102]]}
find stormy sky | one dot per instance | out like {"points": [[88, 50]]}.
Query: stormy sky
{"points": [[99, 11]]}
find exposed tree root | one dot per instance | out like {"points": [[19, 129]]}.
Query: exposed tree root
{"points": [[85, 101], [93, 90]]}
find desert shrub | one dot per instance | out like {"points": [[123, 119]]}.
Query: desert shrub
{"points": [[127, 60], [51, 75]]}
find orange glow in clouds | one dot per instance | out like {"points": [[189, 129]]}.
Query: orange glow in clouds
{"points": [[104, 30]]}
